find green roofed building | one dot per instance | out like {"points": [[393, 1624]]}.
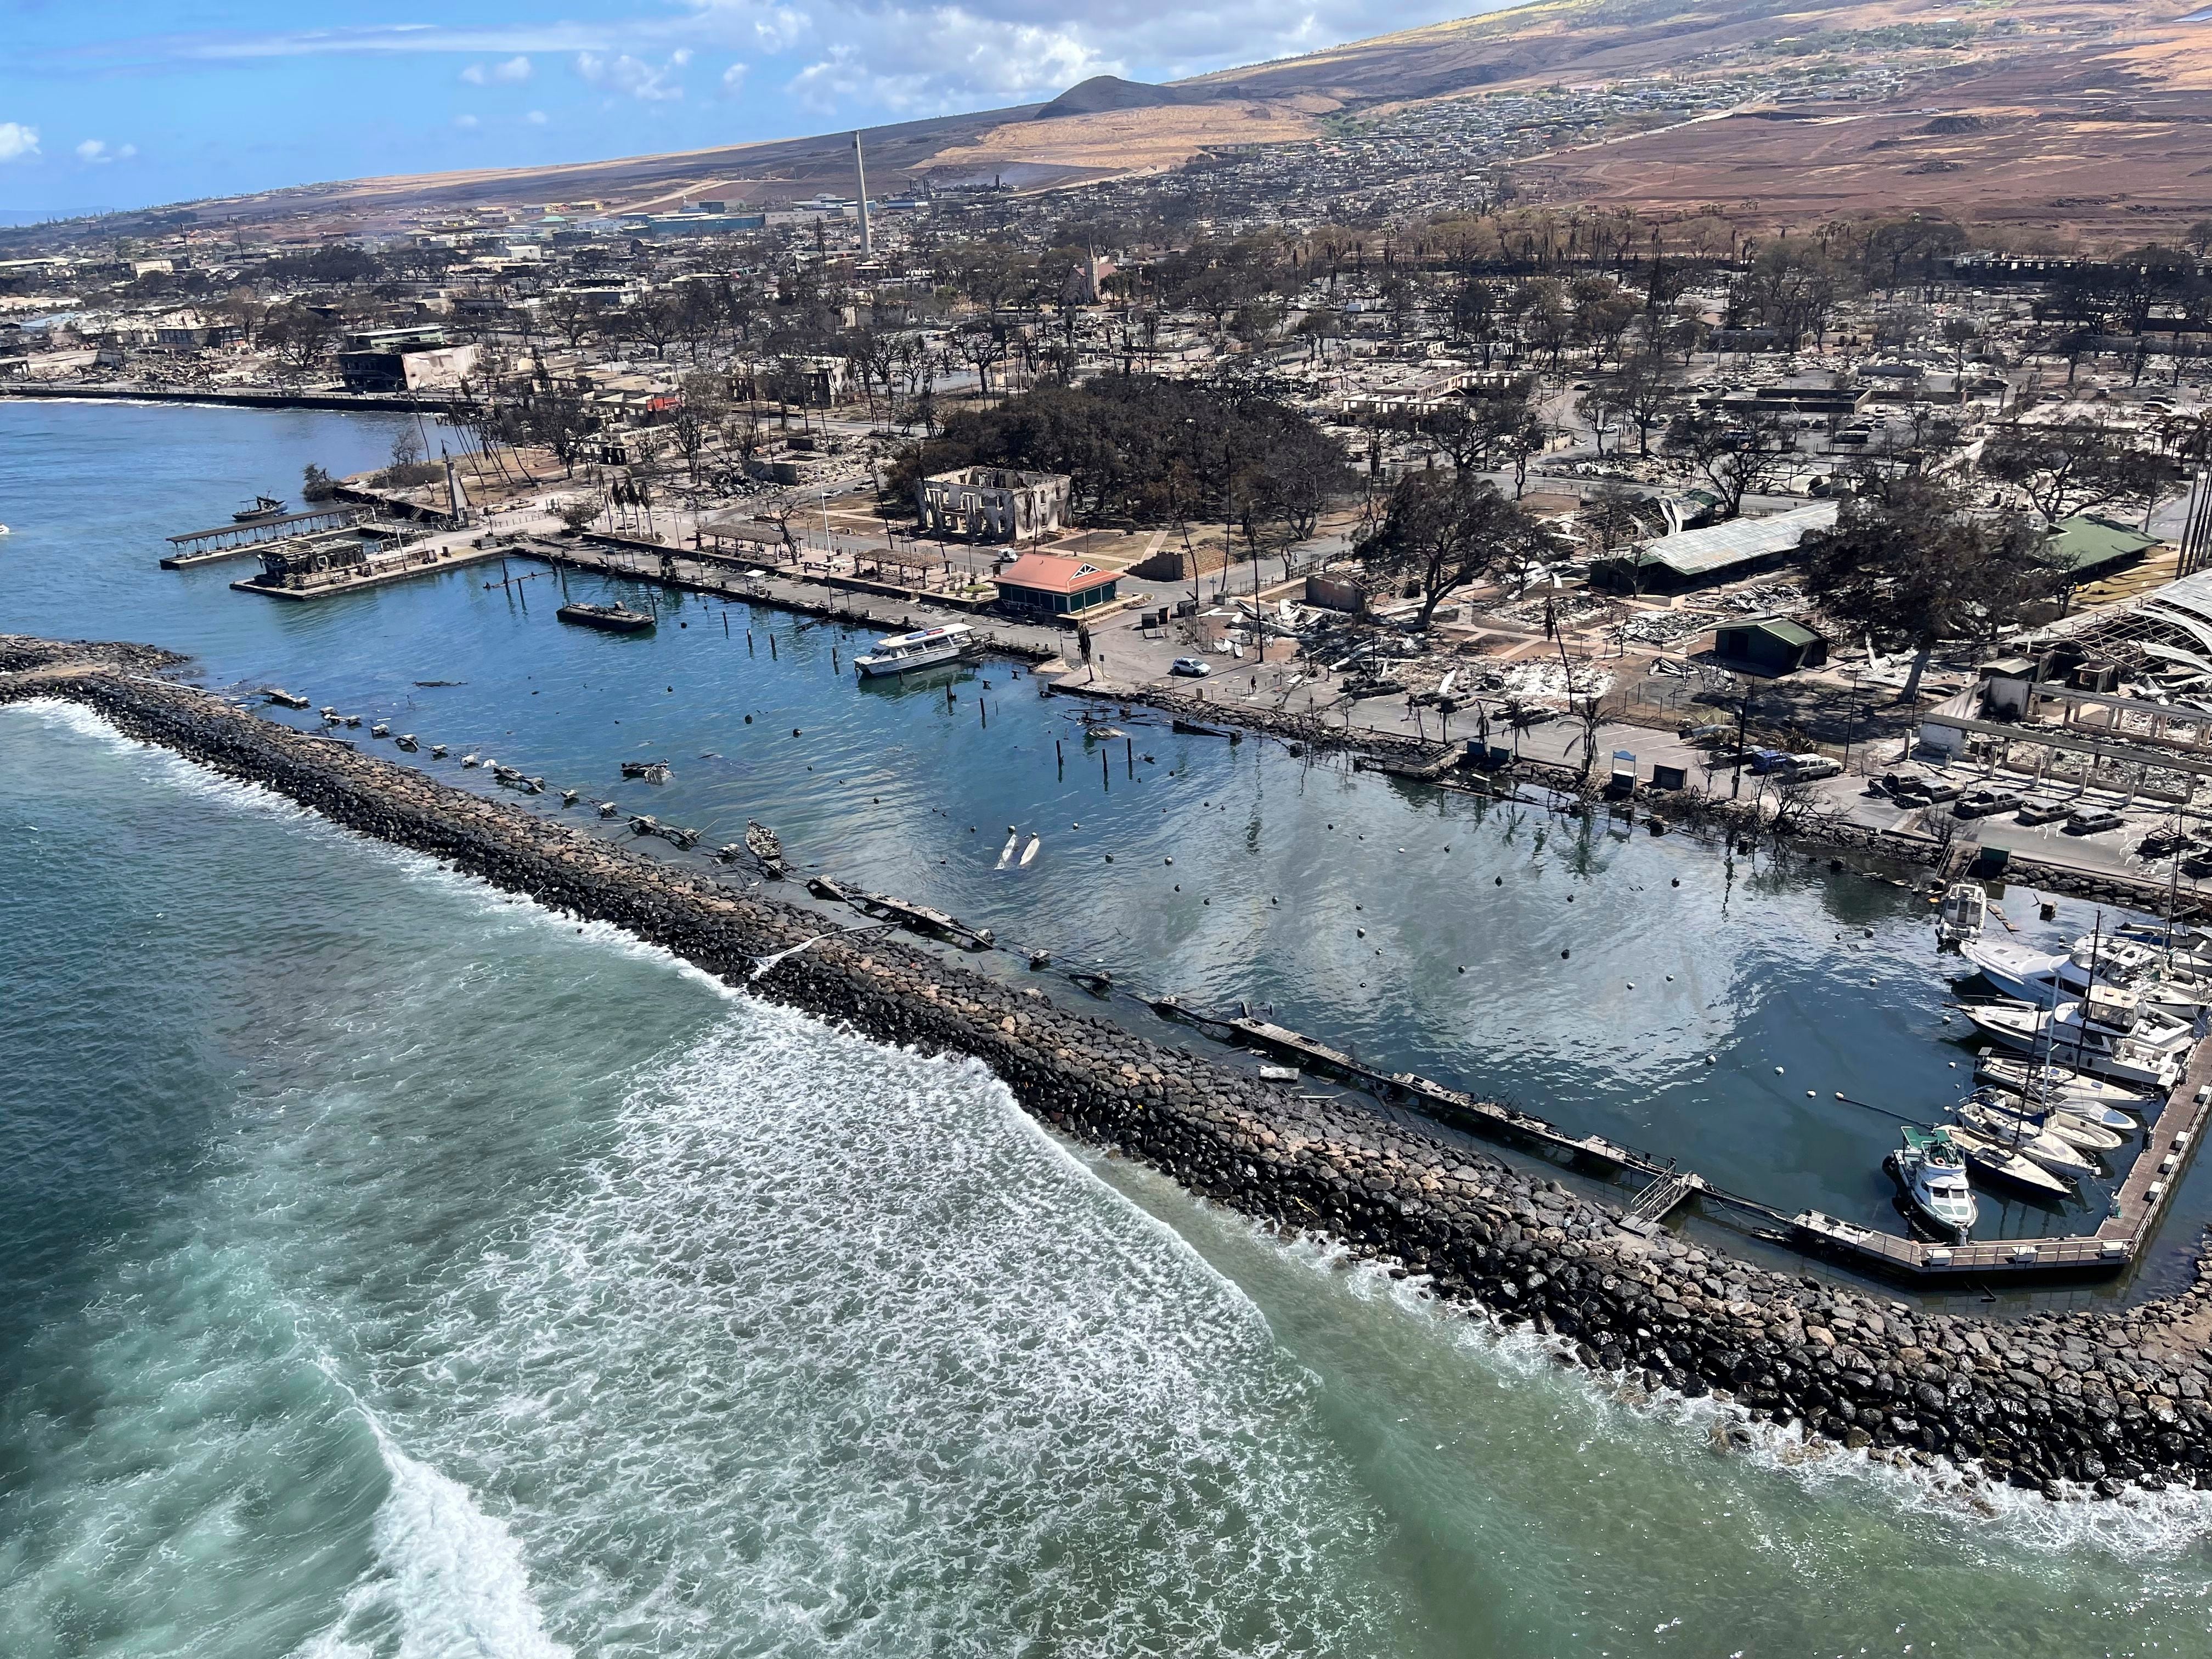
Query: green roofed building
{"points": [[1771, 645], [2087, 546]]}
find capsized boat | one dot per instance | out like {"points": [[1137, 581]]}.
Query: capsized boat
{"points": [[1933, 1172], [761, 842], [1966, 908], [2108, 1033], [926, 648], [2000, 1163]]}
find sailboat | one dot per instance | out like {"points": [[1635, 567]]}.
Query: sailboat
{"points": [[2093, 1099], [2054, 1121], [2001, 1163], [2029, 1140]]}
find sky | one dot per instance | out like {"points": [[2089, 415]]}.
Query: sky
{"points": [[128, 103]]}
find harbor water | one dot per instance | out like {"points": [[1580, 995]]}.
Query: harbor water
{"points": [[392, 1267]]}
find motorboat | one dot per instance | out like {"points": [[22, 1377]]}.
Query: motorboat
{"points": [[1966, 909], [927, 648], [616, 618], [2108, 1033], [2034, 975], [1998, 1162], [264, 507], [2093, 1099], [1933, 1172]]}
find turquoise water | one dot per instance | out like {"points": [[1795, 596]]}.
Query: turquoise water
{"points": [[387, 1267]]}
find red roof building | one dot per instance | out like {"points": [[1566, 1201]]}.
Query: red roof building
{"points": [[1044, 584]]}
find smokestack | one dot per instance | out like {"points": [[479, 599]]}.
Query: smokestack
{"points": [[860, 172]]}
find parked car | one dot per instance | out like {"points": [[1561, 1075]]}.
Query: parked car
{"points": [[2093, 820], [1985, 802], [2042, 812], [1194, 668], [1804, 768]]}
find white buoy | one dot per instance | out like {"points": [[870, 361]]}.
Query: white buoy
{"points": [[1777, 1071]]}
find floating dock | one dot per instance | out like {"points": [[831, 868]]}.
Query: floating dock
{"points": [[244, 537]]}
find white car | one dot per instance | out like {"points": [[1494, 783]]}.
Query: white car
{"points": [[1190, 667]]}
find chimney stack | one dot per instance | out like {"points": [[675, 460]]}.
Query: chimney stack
{"points": [[860, 172]]}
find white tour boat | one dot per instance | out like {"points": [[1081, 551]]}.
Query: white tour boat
{"points": [[901, 654]]}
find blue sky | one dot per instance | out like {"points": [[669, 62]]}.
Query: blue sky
{"points": [[125, 103]]}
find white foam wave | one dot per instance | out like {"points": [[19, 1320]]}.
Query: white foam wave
{"points": [[900, 1380], [2138, 1526]]}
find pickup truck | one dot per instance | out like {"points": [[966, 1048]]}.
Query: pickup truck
{"points": [[1985, 802]]}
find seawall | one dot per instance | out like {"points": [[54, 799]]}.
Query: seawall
{"points": [[2064, 1403]]}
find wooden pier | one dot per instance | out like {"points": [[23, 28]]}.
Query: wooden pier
{"points": [[245, 537]]}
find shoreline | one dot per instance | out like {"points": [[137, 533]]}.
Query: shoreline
{"points": [[213, 397], [2066, 1404]]}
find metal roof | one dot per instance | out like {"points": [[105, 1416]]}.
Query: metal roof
{"points": [[1701, 552]]}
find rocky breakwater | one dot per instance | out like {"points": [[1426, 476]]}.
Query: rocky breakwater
{"points": [[2079, 1403]]}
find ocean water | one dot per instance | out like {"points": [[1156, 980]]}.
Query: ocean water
{"points": [[388, 1268]]}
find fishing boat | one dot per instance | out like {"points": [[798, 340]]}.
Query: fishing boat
{"points": [[1966, 908], [2108, 1033], [264, 507], [761, 842], [1933, 1172], [2020, 1135], [2093, 1099], [651, 771], [927, 648], [2000, 1163], [616, 618]]}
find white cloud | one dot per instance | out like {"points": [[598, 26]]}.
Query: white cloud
{"points": [[733, 80], [536, 117], [97, 152], [780, 28], [466, 123], [635, 77], [17, 140], [511, 72], [909, 62]]}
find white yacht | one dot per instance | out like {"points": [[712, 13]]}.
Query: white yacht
{"points": [[2109, 1034], [901, 654], [2034, 975], [2030, 1141]]}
